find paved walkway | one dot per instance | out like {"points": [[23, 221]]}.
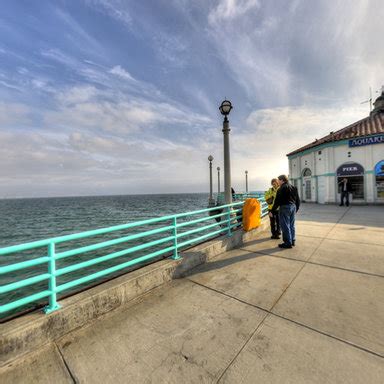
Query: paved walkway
{"points": [[311, 314]]}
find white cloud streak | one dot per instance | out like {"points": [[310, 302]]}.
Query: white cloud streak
{"points": [[121, 72], [228, 10]]}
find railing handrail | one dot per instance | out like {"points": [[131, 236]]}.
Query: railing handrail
{"points": [[229, 215]]}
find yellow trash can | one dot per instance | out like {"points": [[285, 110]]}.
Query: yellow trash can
{"points": [[251, 214]]}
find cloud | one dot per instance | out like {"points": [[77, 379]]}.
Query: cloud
{"points": [[79, 163], [271, 133], [59, 56], [13, 114], [171, 48], [227, 10], [112, 8], [78, 110], [285, 53], [105, 120], [77, 94], [121, 72], [10, 86]]}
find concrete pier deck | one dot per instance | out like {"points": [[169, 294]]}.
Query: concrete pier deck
{"points": [[257, 314]]}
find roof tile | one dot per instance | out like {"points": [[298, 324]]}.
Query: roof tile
{"points": [[371, 125]]}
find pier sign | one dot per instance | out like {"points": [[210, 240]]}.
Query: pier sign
{"points": [[359, 142], [350, 169]]}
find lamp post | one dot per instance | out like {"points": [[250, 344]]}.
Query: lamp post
{"points": [[211, 201], [246, 182], [218, 183], [225, 108]]}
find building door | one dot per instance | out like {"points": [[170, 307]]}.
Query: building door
{"points": [[354, 172], [307, 185], [321, 189], [379, 181]]}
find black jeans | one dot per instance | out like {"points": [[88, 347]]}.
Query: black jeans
{"points": [[275, 224], [345, 194]]}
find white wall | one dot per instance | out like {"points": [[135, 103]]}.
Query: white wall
{"points": [[377, 153], [322, 189], [328, 161]]}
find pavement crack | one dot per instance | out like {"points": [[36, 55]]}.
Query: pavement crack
{"points": [[307, 261], [242, 348], [314, 263], [269, 312], [71, 374]]}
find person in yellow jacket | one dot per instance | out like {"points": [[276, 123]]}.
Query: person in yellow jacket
{"points": [[270, 196]]}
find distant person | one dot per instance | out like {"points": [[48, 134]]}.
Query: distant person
{"points": [[270, 196], [288, 202], [345, 190], [233, 193]]}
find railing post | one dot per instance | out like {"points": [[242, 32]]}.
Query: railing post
{"points": [[229, 221], [53, 305], [175, 252]]}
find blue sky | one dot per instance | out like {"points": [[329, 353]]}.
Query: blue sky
{"points": [[115, 97]]}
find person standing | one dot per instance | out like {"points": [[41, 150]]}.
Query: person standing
{"points": [[270, 196], [346, 188], [287, 201]]}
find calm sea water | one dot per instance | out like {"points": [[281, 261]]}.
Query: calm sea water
{"points": [[26, 220]]}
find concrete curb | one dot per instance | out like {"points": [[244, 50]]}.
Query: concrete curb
{"points": [[30, 332]]}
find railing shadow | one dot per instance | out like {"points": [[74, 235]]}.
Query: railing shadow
{"points": [[218, 262]]}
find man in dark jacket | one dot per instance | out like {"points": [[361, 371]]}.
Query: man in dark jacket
{"points": [[288, 201], [345, 189]]}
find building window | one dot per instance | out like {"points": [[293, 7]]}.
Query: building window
{"points": [[307, 184], [319, 152], [349, 154], [379, 173]]}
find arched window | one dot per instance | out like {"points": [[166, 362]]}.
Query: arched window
{"points": [[307, 185], [379, 180]]}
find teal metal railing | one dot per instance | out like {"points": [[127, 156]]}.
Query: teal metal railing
{"points": [[241, 196], [168, 235]]}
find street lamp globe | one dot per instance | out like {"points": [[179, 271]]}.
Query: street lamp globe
{"points": [[246, 172], [210, 158], [225, 107], [218, 168]]}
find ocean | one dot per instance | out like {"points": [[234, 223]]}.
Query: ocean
{"points": [[25, 220]]}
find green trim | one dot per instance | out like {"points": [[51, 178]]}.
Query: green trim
{"points": [[324, 174], [370, 172], [317, 148], [328, 174]]}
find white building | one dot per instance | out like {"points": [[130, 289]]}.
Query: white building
{"points": [[355, 152]]}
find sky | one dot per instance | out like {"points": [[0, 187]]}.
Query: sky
{"points": [[102, 97]]}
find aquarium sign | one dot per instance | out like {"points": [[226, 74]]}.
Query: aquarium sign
{"points": [[359, 142]]}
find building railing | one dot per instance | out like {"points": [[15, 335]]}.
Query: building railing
{"points": [[172, 232]]}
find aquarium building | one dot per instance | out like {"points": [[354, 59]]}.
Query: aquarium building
{"points": [[355, 152]]}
